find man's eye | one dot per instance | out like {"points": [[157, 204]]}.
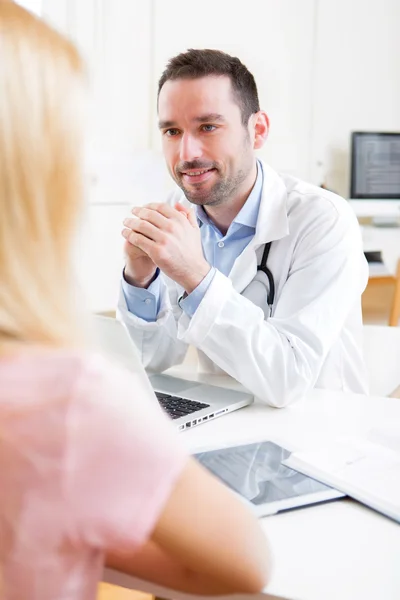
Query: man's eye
{"points": [[209, 127], [171, 132]]}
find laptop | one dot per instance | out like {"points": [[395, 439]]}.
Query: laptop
{"points": [[188, 403]]}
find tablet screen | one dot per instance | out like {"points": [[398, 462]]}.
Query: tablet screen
{"points": [[255, 471]]}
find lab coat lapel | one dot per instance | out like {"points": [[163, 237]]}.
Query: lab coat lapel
{"points": [[272, 224]]}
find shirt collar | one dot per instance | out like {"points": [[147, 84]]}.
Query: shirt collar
{"points": [[248, 214]]}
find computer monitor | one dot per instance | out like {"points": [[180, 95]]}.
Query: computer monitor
{"points": [[375, 174]]}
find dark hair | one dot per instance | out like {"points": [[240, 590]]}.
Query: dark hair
{"points": [[194, 64]]}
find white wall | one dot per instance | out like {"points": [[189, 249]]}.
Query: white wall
{"points": [[274, 40], [323, 68], [34, 6], [115, 38], [357, 81]]}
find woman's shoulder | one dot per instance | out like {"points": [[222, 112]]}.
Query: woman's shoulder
{"points": [[83, 386], [33, 371]]}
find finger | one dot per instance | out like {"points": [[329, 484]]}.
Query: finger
{"points": [[192, 219], [145, 228], [126, 233], [188, 212], [152, 216], [182, 208], [138, 240], [134, 249], [167, 210]]}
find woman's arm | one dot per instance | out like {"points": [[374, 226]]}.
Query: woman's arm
{"points": [[206, 541]]}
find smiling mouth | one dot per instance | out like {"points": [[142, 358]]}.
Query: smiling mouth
{"points": [[197, 173]]}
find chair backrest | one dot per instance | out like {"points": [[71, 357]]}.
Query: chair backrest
{"points": [[382, 356]]}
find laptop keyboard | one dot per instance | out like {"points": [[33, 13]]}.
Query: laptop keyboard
{"points": [[177, 407]]}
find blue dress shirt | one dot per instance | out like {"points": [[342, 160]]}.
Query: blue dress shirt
{"points": [[220, 251]]}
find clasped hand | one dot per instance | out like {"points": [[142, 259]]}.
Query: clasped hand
{"points": [[170, 237]]}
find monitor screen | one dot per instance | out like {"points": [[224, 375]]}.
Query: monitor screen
{"points": [[375, 166]]}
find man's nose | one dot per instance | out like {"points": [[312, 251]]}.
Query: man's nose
{"points": [[190, 148]]}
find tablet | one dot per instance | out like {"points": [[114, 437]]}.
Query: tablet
{"points": [[255, 472]]}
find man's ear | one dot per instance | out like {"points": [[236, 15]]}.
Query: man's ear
{"points": [[261, 128]]}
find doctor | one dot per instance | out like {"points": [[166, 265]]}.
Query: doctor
{"points": [[193, 276]]}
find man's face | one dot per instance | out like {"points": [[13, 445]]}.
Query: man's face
{"points": [[208, 151]]}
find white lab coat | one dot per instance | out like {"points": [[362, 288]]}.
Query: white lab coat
{"points": [[314, 334]]}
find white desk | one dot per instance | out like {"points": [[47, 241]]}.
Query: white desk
{"points": [[336, 551], [385, 239]]}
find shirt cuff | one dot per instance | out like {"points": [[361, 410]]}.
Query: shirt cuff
{"points": [[141, 302], [190, 303]]}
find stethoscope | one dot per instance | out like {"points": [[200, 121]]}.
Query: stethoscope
{"points": [[264, 269]]}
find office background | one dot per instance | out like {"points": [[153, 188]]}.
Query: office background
{"points": [[323, 69]]}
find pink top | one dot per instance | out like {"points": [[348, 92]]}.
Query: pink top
{"points": [[87, 461]]}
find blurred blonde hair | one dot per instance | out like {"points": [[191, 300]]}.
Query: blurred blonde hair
{"points": [[41, 124]]}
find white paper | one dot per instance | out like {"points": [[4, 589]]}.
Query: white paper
{"points": [[366, 471], [388, 436]]}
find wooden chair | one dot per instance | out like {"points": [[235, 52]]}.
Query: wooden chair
{"points": [[382, 293]]}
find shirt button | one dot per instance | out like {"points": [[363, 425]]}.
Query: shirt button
{"points": [[221, 244], [147, 301]]}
